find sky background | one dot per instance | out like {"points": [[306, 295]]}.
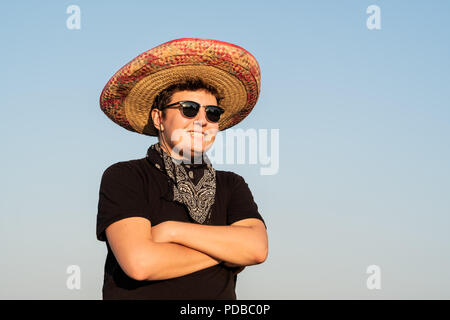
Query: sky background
{"points": [[363, 118]]}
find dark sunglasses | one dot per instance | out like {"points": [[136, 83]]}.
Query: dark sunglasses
{"points": [[190, 109]]}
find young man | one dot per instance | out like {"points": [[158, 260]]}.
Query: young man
{"points": [[175, 227]]}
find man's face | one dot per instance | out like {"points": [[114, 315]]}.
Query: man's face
{"points": [[194, 135]]}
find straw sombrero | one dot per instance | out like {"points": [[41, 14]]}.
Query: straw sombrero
{"points": [[129, 95]]}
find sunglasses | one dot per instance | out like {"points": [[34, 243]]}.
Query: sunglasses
{"points": [[190, 109]]}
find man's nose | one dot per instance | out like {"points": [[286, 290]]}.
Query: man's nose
{"points": [[200, 118]]}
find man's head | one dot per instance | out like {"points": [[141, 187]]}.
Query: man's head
{"points": [[175, 129]]}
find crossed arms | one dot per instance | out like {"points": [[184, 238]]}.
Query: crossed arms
{"points": [[173, 249]]}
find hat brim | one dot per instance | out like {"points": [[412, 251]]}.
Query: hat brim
{"points": [[129, 95]]}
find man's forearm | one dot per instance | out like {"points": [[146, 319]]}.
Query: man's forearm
{"points": [[171, 260], [237, 245]]}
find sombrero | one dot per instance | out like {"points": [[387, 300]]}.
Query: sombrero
{"points": [[129, 95]]}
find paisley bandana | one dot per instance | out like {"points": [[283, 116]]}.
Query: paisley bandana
{"points": [[198, 198]]}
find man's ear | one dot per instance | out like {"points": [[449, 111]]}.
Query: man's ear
{"points": [[156, 117]]}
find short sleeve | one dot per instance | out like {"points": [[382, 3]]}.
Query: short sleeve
{"points": [[241, 205], [121, 195]]}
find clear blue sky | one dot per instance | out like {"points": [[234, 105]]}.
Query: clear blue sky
{"points": [[363, 117]]}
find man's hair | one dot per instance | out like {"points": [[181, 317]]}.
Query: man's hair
{"points": [[190, 84]]}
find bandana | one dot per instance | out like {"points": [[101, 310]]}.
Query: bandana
{"points": [[198, 198]]}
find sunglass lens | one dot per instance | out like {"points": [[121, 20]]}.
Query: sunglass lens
{"points": [[190, 110], [213, 113]]}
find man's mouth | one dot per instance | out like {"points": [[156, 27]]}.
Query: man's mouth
{"points": [[197, 134]]}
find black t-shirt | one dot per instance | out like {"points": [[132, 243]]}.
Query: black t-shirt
{"points": [[136, 188]]}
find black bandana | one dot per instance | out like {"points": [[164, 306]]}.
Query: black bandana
{"points": [[198, 198]]}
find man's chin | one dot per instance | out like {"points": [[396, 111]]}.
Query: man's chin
{"points": [[194, 152], [200, 148]]}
